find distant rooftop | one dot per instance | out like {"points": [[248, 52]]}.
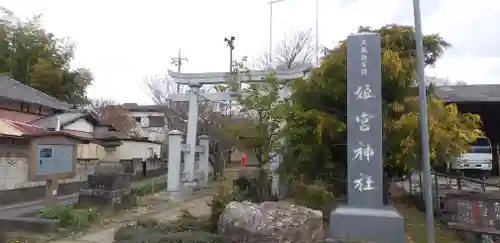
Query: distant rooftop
{"points": [[143, 108], [64, 119], [469, 93], [15, 90]]}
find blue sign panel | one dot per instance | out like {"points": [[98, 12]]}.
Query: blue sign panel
{"points": [[54, 159]]}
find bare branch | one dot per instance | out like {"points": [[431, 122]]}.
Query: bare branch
{"points": [[160, 88], [298, 49], [113, 113], [211, 116]]}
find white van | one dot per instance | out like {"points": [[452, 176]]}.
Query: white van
{"points": [[477, 161]]}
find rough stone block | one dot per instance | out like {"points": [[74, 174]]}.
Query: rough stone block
{"points": [[270, 222]]}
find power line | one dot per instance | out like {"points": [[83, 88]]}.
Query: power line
{"points": [[178, 61]]}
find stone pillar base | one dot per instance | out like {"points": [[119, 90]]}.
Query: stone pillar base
{"points": [[378, 225], [114, 199], [178, 195]]}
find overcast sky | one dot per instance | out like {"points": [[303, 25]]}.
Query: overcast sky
{"points": [[124, 41]]}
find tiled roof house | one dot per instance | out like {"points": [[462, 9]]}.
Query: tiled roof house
{"points": [[27, 111]]}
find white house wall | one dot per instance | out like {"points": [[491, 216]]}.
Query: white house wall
{"points": [[144, 114], [127, 151], [157, 134], [90, 151], [81, 125], [138, 149], [152, 133], [14, 170], [14, 173]]}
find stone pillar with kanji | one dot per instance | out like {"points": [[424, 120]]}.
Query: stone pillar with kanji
{"points": [[365, 217]]}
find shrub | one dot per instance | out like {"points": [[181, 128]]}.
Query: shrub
{"points": [[247, 189], [254, 187], [151, 231], [314, 196], [70, 217], [224, 195]]}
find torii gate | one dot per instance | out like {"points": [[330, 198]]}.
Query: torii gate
{"points": [[196, 80]]}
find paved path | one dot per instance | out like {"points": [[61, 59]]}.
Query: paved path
{"points": [[162, 211], [18, 209]]}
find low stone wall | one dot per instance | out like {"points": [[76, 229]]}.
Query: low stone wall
{"points": [[27, 194], [29, 224], [150, 174], [135, 167]]}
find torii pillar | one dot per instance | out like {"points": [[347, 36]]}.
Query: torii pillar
{"points": [[192, 129]]}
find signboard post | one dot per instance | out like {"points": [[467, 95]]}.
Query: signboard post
{"points": [[365, 217]]}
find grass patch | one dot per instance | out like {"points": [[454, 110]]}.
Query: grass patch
{"points": [[416, 226], [151, 187], [81, 217], [71, 217]]}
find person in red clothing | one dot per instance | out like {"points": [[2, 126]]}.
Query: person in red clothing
{"points": [[243, 159]]}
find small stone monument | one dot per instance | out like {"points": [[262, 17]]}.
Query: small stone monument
{"points": [[365, 217], [109, 185]]}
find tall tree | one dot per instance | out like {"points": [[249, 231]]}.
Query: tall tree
{"points": [[316, 124], [261, 107], [35, 57]]}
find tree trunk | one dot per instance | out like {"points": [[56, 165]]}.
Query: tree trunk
{"points": [[263, 184]]}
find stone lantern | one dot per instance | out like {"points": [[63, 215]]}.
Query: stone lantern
{"points": [[108, 185], [111, 161]]}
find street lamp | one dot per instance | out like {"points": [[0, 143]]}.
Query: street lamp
{"points": [[230, 44], [424, 126]]}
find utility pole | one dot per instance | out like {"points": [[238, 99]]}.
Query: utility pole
{"points": [[424, 126], [178, 61], [230, 44]]}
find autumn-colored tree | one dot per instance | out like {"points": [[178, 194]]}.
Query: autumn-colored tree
{"points": [[35, 57], [316, 124], [114, 114]]}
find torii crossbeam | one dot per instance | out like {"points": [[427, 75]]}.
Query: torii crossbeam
{"points": [[196, 80]]}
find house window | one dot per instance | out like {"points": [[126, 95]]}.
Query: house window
{"points": [[40, 109], [150, 152], [25, 107], [45, 153], [137, 119]]}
